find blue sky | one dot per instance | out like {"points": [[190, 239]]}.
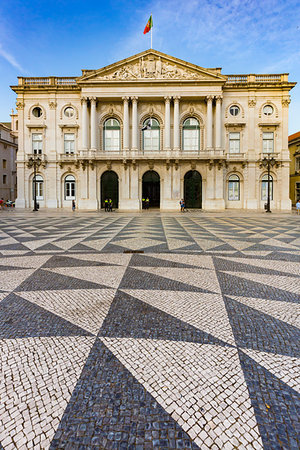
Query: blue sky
{"points": [[42, 38]]}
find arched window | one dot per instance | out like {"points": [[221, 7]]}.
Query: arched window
{"points": [[39, 186], [191, 135], [111, 135], [264, 187], [233, 188], [151, 130], [70, 185]]}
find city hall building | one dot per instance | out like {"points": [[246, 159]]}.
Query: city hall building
{"points": [[153, 126]]}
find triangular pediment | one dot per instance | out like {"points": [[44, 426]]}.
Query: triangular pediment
{"points": [[151, 65]]}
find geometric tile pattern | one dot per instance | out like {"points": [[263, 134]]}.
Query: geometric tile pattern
{"points": [[193, 342]]}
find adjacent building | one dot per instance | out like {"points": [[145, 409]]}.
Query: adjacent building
{"points": [[8, 156], [294, 147], [153, 126]]}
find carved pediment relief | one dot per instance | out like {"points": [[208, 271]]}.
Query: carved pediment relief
{"points": [[151, 65]]}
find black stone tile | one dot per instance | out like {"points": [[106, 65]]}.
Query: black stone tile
{"points": [[67, 261], [233, 285], [42, 280], [109, 408], [137, 279], [258, 331], [20, 318], [232, 266], [131, 318], [276, 406], [139, 260]]}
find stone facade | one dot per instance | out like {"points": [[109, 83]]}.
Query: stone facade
{"points": [[153, 125], [8, 156], [294, 147]]}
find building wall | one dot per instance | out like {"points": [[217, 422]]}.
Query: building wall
{"points": [[8, 173], [130, 93], [294, 148]]}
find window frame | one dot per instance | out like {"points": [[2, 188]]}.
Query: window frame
{"points": [[67, 151], [231, 140], [113, 148], [187, 128], [39, 187], [234, 188], [39, 149], [70, 187], [268, 140], [237, 108], [264, 187], [151, 136]]}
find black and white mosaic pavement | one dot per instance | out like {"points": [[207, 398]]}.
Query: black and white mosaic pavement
{"points": [[193, 343]]}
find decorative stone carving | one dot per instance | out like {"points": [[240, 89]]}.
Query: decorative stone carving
{"points": [[285, 102], [251, 103], [52, 105], [20, 105], [152, 67]]}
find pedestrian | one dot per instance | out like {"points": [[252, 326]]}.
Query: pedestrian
{"points": [[182, 205], [106, 204], [298, 206], [73, 205], [143, 203], [110, 205], [147, 201], [2, 203]]}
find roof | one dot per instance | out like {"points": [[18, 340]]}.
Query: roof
{"points": [[294, 136], [6, 124]]}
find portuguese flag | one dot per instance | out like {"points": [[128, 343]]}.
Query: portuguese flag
{"points": [[149, 25]]}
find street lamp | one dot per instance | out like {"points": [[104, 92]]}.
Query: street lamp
{"points": [[268, 162], [34, 161]]}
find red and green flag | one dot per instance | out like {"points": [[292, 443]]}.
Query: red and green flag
{"points": [[149, 25]]}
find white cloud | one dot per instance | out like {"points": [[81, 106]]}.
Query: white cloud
{"points": [[10, 59]]}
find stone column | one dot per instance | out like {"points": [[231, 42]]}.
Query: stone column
{"points": [[209, 99], [93, 124], [176, 123], [125, 123], [167, 124], [84, 123], [218, 122], [134, 123]]}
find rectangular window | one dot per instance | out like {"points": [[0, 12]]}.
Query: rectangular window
{"points": [[297, 190], [234, 142], [297, 163], [4, 163], [69, 143], [4, 179], [151, 140], [264, 190], [268, 142], [112, 140], [37, 143], [233, 190]]}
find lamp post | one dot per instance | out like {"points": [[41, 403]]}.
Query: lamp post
{"points": [[268, 162], [34, 161]]}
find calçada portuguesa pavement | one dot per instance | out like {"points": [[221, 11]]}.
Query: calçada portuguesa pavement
{"points": [[191, 341]]}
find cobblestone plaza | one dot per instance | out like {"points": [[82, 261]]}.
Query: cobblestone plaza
{"points": [[193, 342]]}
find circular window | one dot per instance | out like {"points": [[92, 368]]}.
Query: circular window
{"points": [[37, 111], [69, 111], [234, 110], [268, 110]]}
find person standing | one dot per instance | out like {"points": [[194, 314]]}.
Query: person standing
{"points": [[110, 205], [298, 206], [1, 203], [147, 201], [73, 205], [182, 205], [106, 204]]}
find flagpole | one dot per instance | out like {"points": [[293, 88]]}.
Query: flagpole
{"points": [[151, 31]]}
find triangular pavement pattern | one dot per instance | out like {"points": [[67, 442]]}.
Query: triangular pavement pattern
{"points": [[120, 398], [276, 406], [286, 368], [85, 308], [194, 379], [13, 278], [201, 278], [203, 261], [288, 267], [46, 378], [109, 276], [286, 283], [281, 310], [202, 310], [136, 243]]}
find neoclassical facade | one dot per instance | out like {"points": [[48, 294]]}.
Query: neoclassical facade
{"points": [[153, 126]]}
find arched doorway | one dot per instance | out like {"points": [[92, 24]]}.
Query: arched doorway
{"points": [[110, 188], [151, 188], [193, 189]]}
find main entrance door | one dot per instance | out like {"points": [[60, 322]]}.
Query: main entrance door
{"points": [[110, 188], [193, 189], [151, 188]]}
